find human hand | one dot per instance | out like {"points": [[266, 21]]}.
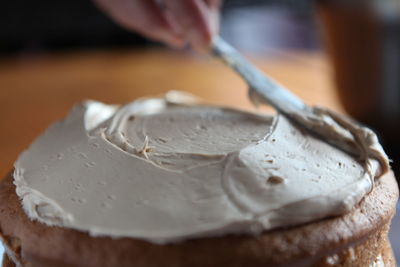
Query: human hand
{"points": [[174, 22]]}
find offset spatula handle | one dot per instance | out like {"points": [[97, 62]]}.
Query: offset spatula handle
{"points": [[264, 87]]}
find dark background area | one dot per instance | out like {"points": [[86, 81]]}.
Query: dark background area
{"points": [[34, 26]]}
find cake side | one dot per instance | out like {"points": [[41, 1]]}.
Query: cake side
{"points": [[161, 182], [312, 243]]}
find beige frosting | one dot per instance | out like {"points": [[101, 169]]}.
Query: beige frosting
{"points": [[168, 169]]}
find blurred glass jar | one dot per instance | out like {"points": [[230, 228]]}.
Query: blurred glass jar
{"points": [[363, 40]]}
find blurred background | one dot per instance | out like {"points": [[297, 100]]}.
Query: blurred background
{"points": [[72, 24], [341, 54]]}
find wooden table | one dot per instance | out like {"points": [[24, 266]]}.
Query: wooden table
{"points": [[37, 90]]}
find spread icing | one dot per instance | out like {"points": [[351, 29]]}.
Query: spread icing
{"points": [[168, 169]]}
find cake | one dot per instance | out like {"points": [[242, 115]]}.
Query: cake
{"points": [[169, 181]]}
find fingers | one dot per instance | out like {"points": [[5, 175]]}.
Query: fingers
{"points": [[197, 20], [213, 4], [171, 21], [145, 17]]}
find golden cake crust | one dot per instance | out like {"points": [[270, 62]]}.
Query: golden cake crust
{"points": [[354, 239]]}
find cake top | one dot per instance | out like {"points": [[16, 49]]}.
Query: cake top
{"points": [[168, 169]]}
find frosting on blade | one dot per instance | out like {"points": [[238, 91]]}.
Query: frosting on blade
{"points": [[168, 169], [337, 130]]}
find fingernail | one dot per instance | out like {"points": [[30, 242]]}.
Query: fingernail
{"points": [[176, 42], [170, 39]]}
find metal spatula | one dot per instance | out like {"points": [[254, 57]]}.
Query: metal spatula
{"points": [[261, 88], [335, 129]]}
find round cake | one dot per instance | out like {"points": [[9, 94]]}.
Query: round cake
{"points": [[172, 182]]}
